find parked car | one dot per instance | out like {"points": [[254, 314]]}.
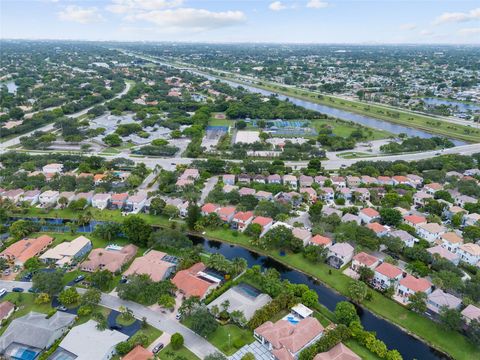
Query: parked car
{"points": [[178, 316], [17, 289], [117, 327], [79, 278], [33, 290], [3, 292], [157, 348], [62, 308], [6, 272]]}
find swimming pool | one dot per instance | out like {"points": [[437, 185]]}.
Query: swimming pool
{"points": [[248, 290], [22, 353], [292, 320]]}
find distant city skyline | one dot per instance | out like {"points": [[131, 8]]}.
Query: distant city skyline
{"points": [[286, 21]]}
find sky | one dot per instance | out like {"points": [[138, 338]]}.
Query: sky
{"points": [[250, 21]]}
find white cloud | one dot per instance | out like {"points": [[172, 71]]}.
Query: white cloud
{"points": [[426, 32], [82, 15], [469, 31], [456, 17], [125, 6], [277, 6], [317, 4], [408, 27], [189, 19]]}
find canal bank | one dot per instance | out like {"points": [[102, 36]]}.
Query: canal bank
{"points": [[389, 328]]}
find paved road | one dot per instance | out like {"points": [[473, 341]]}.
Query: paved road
{"points": [[210, 184], [195, 343], [16, 140]]}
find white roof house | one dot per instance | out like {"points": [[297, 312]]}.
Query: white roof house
{"points": [[52, 168], [439, 299], [65, 252], [87, 343]]}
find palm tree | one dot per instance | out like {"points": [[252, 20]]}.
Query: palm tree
{"points": [[238, 265]]}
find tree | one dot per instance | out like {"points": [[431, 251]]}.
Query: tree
{"points": [[202, 322], [315, 253], [345, 313], [177, 341], [193, 215], [215, 356], [22, 228], [48, 282], [156, 206], [357, 291], [418, 302], [69, 296], [451, 319], [33, 263], [391, 217], [473, 332], [366, 274], [91, 297], [137, 230], [310, 298], [248, 356], [3, 264], [42, 298], [101, 279], [253, 230], [167, 301]]}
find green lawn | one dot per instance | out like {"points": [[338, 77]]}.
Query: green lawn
{"points": [[183, 353], [124, 322], [361, 350], [220, 122], [230, 344], [151, 332], [344, 129]]}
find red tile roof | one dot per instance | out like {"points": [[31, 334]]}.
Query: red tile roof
{"points": [[415, 219], [321, 240], [365, 259], [189, 283], [243, 216], [389, 270], [376, 227], [209, 208], [415, 284], [370, 212], [262, 221], [138, 353]]}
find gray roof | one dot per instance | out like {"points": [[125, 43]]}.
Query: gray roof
{"points": [[35, 330]]}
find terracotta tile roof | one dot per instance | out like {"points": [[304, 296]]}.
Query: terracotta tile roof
{"points": [[151, 264], [370, 212], [471, 248], [27, 248], [471, 312], [111, 260], [262, 221], [209, 208], [321, 240], [389, 270], [138, 353], [452, 238], [415, 219], [120, 197], [376, 227], [338, 352], [243, 216], [365, 259], [226, 212], [189, 283], [415, 284]]}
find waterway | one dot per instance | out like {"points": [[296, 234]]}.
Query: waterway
{"points": [[461, 106], [394, 337]]}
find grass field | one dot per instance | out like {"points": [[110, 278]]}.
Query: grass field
{"points": [[344, 129], [230, 338], [183, 353], [221, 122]]}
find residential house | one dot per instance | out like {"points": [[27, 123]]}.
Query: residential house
{"points": [[13, 195], [320, 240], [338, 352], [259, 179], [305, 181], [99, 178], [431, 231], [209, 208], [385, 180], [24, 249], [414, 220], [471, 312], [454, 210], [286, 340], [264, 222], [327, 211], [264, 195], [353, 181], [290, 180], [345, 193], [401, 180], [226, 213], [118, 201], [274, 179], [408, 239], [454, 174], [52, 168], [451, 241], [471, 172], [6, 310], [351, 217], [387, 275], [87, 342], [432, 188], [368, 215], [410, 285], [31, 196], [415, 180], [471, 219], [378, 229], [112, 258], [438, 300], [326, 193], [361, 194], [194, 281], [244, 191], [35, 332], [101, 201], [292, 197], [320, 180], [48, 198], [190, 174], [368, 180], [156, 264], [139, 353], [302, 234], [363, 259], [244, 179], [462, 200], [340, 254], [135, 203], [67, 251], [420, 198], [228, 179], [242, 219], [88, 196], [469, 253], [229, 188], [339, 182], [311, 193], [444, 253]]}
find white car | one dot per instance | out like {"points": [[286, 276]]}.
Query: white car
{"points": [[3, 292]]}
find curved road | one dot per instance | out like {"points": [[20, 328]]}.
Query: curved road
{"points": [[16, 140], [194, 342]]}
